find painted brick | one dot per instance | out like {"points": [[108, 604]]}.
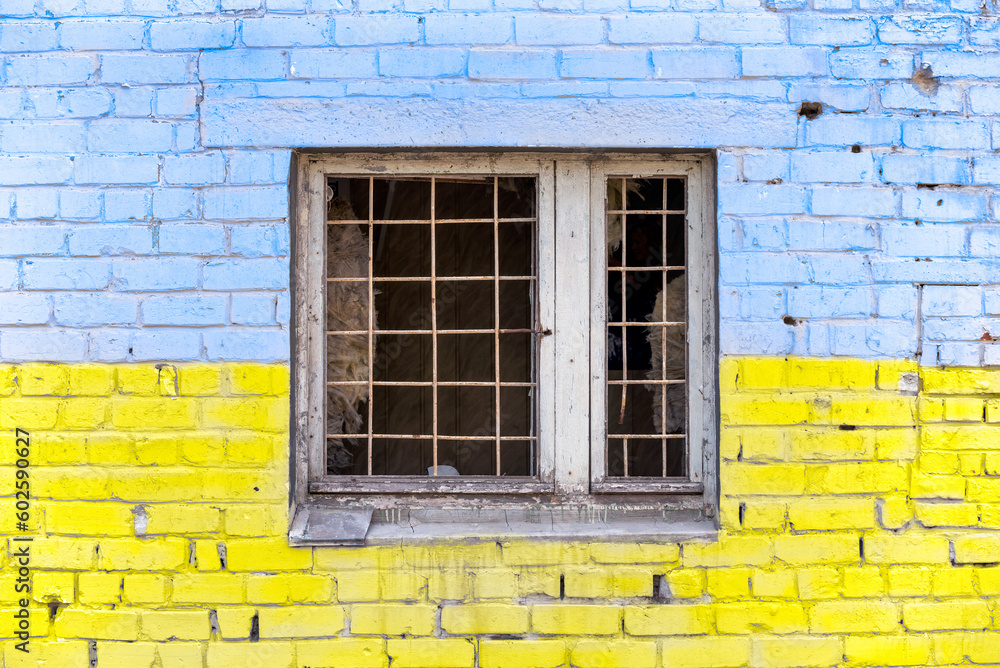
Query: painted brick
{"points": [[27, 36], [35, 170], [142, 68], [55, 69], [99, 34], [658, 28], [183, 310], [115, 169], [946, 134], [914, 169], [906, 96], [834, 31], [741, 28], [249, 344], [242, 64], [421, 62], [604, 64], [25, 240], [776, 61], [483, 28], [246, 203], [66, 274], [696, 63], [333, 63], [944, 206], [388, 29], [286, 31], [511, 64], [833, 166], [920, 29], [166, 273], [544, 29], [19, 308]]}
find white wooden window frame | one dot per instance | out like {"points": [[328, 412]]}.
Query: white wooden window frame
{"points": [[572, 272]]}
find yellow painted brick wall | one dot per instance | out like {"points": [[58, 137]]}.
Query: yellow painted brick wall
{"points": [[860, 527]]}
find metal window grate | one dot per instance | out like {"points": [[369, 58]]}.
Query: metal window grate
{"points": [[431, 331], [647, 323]]}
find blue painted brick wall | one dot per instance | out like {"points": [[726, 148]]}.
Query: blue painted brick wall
{"points": [[144, 154]]}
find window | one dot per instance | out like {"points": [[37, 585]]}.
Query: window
{"points": [[502, 330]]}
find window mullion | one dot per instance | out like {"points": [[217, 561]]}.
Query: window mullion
{"points": [[572, 368]]}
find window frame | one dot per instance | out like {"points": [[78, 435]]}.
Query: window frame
{"points": [[571, 361]]}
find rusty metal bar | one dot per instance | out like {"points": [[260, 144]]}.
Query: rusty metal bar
{"points": [[676, 267], [441, 383], [443, 221], [496, 313], [355, 332], [440, 437], [418, 279], [434, 328], [647, 212], [371, 317]]}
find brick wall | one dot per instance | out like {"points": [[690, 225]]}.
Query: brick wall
{"points": [[144, 326]]}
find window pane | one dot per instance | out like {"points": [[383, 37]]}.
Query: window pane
{"points": [[646, 340], [432, 393]]}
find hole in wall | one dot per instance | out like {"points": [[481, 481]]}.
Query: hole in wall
{"points": [[810, 110]]}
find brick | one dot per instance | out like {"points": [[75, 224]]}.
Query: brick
{"points": [[34, 170], [110, 239], [300, 621], [184, 310], [516, 653], [243, 64], [741, 28], [98, 624], [652, 28], [757, 616], [286, 31], [779, 61], [613, 654], [478, 619], [679, 619], [431, 652], [478, 29], [906, 96], [920, 29], [977, 549], [560, 619], [208, 588], [358, 652], [944, 206], [830, 30], [49, 70], [142, 68], [507, 64], [906, 549], [145, 588], [798, 651], [270, 654], [175, 624], [946, 134], [867, 63], [108, 169], [101, 34], [24, 309], [938, 616], [66, 654], [817, 548], [853, 617], [541, 28], [329, 64], [387, 29], [707, 651]]}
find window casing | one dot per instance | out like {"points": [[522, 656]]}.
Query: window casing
{"points": [[568, 379]]}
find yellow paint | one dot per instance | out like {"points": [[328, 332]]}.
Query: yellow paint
{"points": [[860, 527]]}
